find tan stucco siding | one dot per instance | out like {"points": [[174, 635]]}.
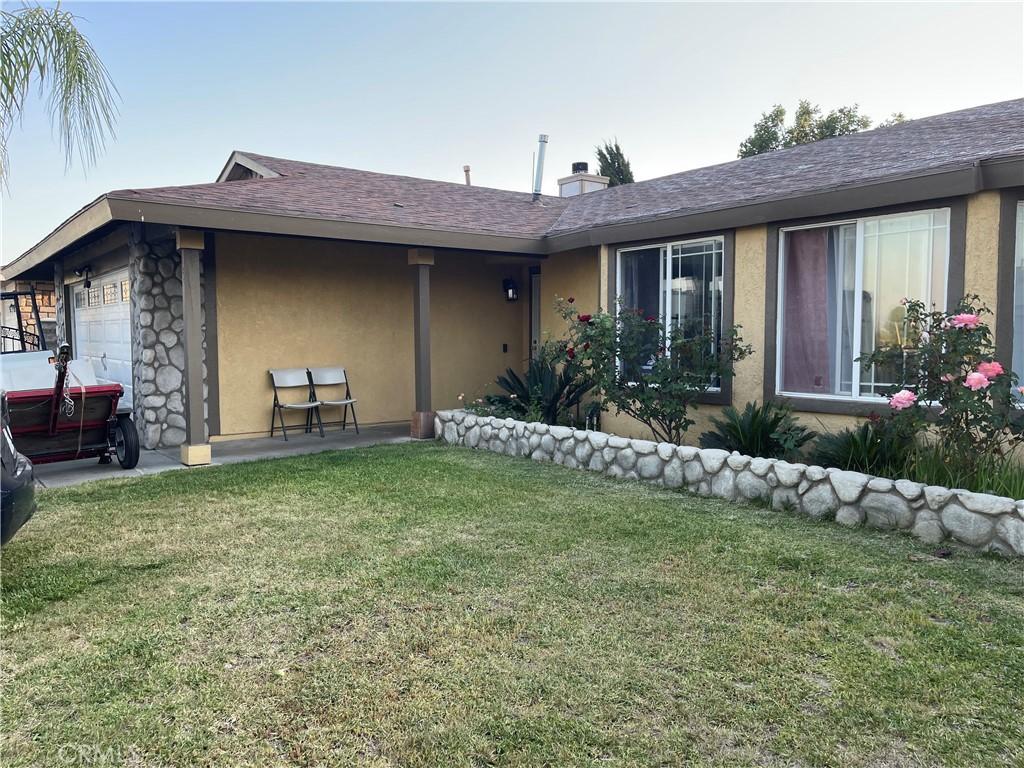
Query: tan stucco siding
{"points": [[470, 321], [293, 303], [749, 312], [982, 248], [284, 303], [569, 273]]}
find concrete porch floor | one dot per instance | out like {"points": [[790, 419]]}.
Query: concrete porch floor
{"points": [[67, 473]]}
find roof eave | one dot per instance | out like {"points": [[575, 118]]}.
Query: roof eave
{"points": [[87, 220]]}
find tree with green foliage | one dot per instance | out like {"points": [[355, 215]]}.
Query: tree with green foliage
{"points": [[44, 45], [809, 124], [611, 162]]}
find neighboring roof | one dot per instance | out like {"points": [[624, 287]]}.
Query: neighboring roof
{"points": [[951, 154]]}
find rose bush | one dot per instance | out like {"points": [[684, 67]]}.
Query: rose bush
{"points": [[645, 372], [950, 382]]}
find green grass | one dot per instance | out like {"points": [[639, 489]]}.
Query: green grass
{"points": [[423, 606]]}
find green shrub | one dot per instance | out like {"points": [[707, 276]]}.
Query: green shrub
{"points": [[548, 391], [947, 381], [650, 372], [768, 430], [876, 447]]}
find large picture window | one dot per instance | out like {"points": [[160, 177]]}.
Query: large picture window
{"points": [[841, 287], [680, 283]]}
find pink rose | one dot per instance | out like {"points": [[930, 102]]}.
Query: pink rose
{"points": [[976, 381], [965, 320], [902, 399], [947, 377], [991, 370]]}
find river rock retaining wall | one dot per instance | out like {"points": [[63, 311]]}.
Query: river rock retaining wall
{"points": [[933, 514]]}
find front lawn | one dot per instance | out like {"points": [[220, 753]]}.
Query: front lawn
{"points": [[420, 605]]}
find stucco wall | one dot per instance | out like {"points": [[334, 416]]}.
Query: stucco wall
{"points": [[980, 256], [285, 302], [569, 273], [748, 311], [470, 321]]}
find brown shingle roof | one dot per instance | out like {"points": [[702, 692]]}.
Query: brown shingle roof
{"points": [[329, 192], [915, 147]]}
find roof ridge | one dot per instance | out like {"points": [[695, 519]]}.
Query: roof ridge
{"points": [[344, 168]]}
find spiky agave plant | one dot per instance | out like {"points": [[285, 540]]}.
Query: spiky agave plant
{"points": [[44, 45], [768, 430], [549, 389]]}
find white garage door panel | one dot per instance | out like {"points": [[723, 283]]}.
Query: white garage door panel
{"points": [[103, 330]]}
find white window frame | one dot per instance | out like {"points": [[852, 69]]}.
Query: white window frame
{"points": [[665, 289], [858, 309]]}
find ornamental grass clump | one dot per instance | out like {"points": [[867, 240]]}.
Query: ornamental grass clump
{"points": [[950, 391], [650, 373]]}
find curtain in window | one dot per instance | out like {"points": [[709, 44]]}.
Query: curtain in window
{"points": [[806, 315], [641, 280]]}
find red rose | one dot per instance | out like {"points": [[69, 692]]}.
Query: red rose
{"points": [[585, 318], [570, 353], [571, 300], [652, 319], [586, 346]]}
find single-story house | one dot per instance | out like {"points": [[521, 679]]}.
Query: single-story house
{"points": [[189, 294]]}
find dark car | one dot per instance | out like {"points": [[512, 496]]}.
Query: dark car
{"points": [[17, 484]]}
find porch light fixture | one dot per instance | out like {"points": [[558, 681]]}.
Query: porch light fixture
{"points": [[85, 272], [510, 289]]}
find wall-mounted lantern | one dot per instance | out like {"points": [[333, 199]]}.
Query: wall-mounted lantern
{"points": [[511, 290], [86, 272]]}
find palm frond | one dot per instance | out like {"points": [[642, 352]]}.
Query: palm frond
{"points": [[44, 45]]}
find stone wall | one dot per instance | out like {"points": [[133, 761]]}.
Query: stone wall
{"points": [[58, 301], [933, 514], [158, 351]]}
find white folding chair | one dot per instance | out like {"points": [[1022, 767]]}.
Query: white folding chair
{"points": [[294, 378], [334, 377]]}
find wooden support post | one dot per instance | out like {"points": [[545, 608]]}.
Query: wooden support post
{"points": [[423, 417], [196, 449]]}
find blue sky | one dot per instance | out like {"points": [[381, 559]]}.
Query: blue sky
{"points": [[423, 89]]}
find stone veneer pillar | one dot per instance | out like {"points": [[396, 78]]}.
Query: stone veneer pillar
{"points": [[158, 350]]}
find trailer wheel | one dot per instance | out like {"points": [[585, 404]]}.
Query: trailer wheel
{"points": [[126, 442]]}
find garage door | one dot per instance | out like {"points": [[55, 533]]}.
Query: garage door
{"points": [[103, 329]]}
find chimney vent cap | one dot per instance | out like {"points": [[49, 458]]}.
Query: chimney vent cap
{"points": [[581, 167]]}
